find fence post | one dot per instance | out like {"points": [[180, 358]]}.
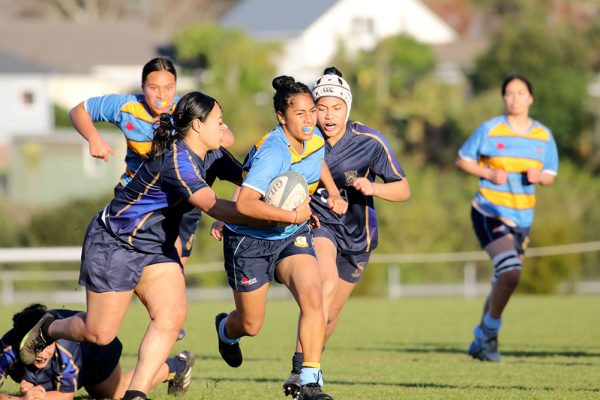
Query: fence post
{"points": [[8, 293], [470, 279], [394, 285]]}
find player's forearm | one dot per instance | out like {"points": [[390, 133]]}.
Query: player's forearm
{"points": [[546, 179], [473, 168], [56, 395], [392, 191], [259, 210], [82, 122]]}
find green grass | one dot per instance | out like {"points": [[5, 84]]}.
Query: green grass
{"points": [[399, 349]]}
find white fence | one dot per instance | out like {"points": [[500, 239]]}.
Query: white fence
{"points": [[469, 287]]}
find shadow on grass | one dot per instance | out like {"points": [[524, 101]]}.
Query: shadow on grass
{"points": [[454, 348], [409, 385]]}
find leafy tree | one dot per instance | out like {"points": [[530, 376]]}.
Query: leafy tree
{"points": [[237, 71]]}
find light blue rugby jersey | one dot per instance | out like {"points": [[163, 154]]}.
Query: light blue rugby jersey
{"points": [[129, 113], [494, 144], [272, 156]]}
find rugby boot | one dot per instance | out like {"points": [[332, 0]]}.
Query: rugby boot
{"points": [[291, 386], [231, 353], [313, 391], [181, 382], [33, 343], [484, 347]]}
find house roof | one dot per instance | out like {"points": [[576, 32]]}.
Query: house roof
{"points": [[11, 64], [275, 19], [69, 47]]}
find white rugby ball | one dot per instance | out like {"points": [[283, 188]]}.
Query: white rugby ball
{"points": [[287, 191]]}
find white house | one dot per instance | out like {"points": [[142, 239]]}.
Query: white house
{"points": [[25, 105], [311, 30]]}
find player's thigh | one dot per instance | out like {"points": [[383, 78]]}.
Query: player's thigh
{"points": [[342, 294], [500, 245], [326, 255], [251, 306], [162, 290], [105, 311], [112, 387], [300, 273]]}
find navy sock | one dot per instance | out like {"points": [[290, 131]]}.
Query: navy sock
{"points": [[132, 394], [297, 361], [176, 366], [45, 334]]}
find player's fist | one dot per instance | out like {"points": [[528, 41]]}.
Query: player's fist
{"points": [[499, 176], [100, 149], [534, 175]]}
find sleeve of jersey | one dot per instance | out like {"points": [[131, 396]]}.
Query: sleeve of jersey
{"points": [[8, 357], [229, 168], [268, 162], [470, 150], [180, 175], [70, 362], [105, 108], [384, 163], [551, 158]]}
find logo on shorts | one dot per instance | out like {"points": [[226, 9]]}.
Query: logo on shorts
{"points": [[350, 177], [300, 241], [500, 229], [190, 242], [358, 270], [247, 282]]}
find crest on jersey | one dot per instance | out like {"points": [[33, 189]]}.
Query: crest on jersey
{"points": [[350, 177], [190, 242], [300, 241]]}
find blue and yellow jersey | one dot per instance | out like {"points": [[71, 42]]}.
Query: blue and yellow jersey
{"points": [[147, 213], [272, 156], [361, 152], [63, 372], [129, 113], [494, 144]]}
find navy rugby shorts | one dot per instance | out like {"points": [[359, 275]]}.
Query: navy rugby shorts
{"points": [[251, 262], [110, 265]]}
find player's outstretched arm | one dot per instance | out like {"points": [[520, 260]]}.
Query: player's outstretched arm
{"points": [[334, 200], [82, 122]]}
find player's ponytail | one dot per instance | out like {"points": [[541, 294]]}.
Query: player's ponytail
{"points": [[164, 136]]}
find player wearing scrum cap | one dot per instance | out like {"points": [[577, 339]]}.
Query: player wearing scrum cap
{"points": [[254, 256], [355, 155]]}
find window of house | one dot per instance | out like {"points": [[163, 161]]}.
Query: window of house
{"points": [[363, 26], [27, 97]]}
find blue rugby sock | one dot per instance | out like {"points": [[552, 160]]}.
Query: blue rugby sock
{"points": [[176, 366], [223, 336], [491, 326]]}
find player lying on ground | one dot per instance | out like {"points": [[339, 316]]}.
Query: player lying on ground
{"points": [[64, 367]]}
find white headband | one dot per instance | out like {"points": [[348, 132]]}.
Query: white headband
{"points": [[331, 85]]}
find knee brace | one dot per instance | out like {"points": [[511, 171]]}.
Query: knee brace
{"points": [[505, 261]]}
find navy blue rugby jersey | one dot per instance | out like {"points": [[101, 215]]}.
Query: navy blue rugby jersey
{"points": [[63, 372], [361, 152], [147, 213]]}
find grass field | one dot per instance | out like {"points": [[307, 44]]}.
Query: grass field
{"points": [[399, 349]]}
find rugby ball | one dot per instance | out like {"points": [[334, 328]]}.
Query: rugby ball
{"points": [[287, 191]]}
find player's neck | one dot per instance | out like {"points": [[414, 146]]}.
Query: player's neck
{"points": [[519, 122], [332, 140]]}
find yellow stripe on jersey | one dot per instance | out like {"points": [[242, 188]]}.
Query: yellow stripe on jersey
{"points": [[140, 148], [367, 220], [537, 132], [176, 164], [137, 110], [389, 156], [312, 187], [510, 200], [72, 362], [510, 164], [137, 228], [315, 144], [121, 211]]}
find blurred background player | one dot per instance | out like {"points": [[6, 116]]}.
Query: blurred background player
{"points": [[510, 154], [254, 256], [130, 245], [355, 155], [64, 367]]}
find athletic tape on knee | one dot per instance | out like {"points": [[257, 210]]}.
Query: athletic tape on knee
{"points": [[505, 261]]}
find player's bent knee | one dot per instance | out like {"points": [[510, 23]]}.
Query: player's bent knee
{"points": [[100, 338], [251, 328], [507, 264]]}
